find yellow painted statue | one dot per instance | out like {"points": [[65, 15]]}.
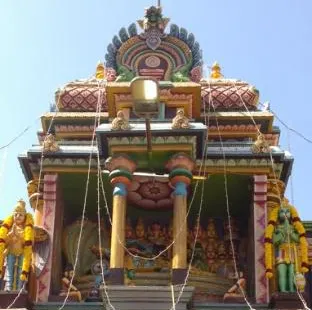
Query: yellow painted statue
{"points": [[16, 243], [283, 236]]}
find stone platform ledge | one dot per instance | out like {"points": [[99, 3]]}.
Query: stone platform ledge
{"points": [[6, 298], [227, 306], [286, 301], [146, 297], [69, 306]]}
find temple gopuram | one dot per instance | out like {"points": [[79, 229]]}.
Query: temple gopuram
{"points": [[154, 186]]}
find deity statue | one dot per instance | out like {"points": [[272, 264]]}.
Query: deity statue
{"points": [[129, 232], [180, 120], [153, 19], [282, 236], [221, 255], [157, 238], [232, 259], [140, 246], [120, 122], [260, 145], [140, 233], [233, 225], [66, 280], [16, 243], [50, 144], [211, 257], [211, 232], [199, 258]]}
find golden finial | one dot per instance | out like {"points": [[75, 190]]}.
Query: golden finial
{"points": [[100, 71], [216, 71]]}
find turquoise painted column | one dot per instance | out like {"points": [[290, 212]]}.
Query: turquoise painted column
{"points": [[121, 168], [180, 176]]}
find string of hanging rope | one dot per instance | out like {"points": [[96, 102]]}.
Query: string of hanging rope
{"points": [[100, 187], [22, 289], [279, 193]]}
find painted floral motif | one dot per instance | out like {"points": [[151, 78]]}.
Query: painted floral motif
{"points": [[150, 194]]}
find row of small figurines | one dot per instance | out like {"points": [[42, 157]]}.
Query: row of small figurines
{"points": [[158, 232]]}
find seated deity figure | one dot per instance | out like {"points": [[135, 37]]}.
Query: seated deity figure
{"points": [[157, 238], [141, 246], [129, 232], [232, 226], [199, 257], [211, 257], [231, 259], [284, 234], [16, 242], [211, 232], [221, 256], [73, 291]]}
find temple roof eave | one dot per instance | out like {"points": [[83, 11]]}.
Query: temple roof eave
{"points": [[74, 158], [24, 164]]}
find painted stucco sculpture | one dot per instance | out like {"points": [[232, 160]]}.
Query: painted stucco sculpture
{"points": [[283, 235], [16, 242]]}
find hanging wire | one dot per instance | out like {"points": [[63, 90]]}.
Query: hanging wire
{"points": [[180, 229], [298, 133], [17, 296], [85, 202], [197, 229], [204, 157], [275, 177], [19, 135], [99, 172], [229, 218], [38, 189]]}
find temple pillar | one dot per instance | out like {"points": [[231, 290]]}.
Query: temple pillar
{"points": [[180, 176], [121, 168], [49, 215], [259, 225]]}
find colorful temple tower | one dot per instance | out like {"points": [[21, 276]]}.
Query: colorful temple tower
{"points": [[155, 187]]}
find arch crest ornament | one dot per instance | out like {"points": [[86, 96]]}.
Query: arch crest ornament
{"points": [[177, 56]]}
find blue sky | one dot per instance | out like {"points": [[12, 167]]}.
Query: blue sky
{"points": [[45, 44]]}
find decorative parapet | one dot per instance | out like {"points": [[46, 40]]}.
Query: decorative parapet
{"points": [[82, 96], [70, 119], [228, 94]]}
